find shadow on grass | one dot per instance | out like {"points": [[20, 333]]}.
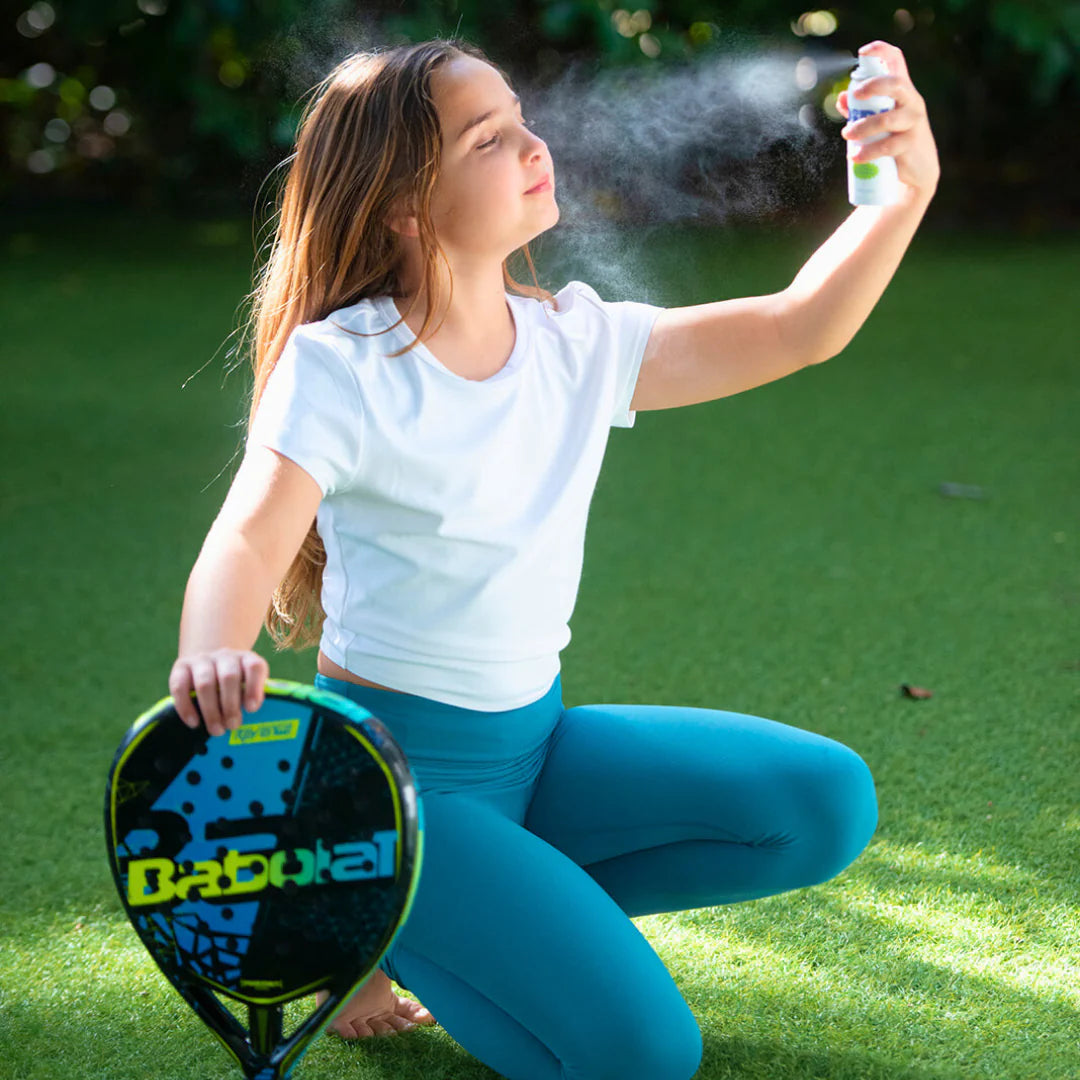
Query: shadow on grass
{"points": [[925, 962], [154, 1035]]}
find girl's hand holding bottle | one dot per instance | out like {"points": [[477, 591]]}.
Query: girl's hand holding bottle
{"points": [[906, 127], [218, 678]]}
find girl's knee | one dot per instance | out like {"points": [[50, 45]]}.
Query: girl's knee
{"points": [[847, 809], [658, 1047], [673, 1050]]}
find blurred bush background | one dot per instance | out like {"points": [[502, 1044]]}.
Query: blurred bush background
{"points": [[186, 108]]}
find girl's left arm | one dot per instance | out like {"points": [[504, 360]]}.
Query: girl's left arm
{"points": [[710, 351]]}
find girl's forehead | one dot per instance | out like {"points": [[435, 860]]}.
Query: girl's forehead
{"points": [[462, 88]]}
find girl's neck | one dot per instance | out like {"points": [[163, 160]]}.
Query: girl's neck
{"points": [[477, 313], [476, 332]]}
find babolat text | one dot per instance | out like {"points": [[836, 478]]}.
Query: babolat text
{"points": [[157, 881]]}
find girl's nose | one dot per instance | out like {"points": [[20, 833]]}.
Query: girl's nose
{"points": [[534, 148]]}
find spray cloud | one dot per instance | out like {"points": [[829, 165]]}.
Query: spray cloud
{"points": [[638, 150]]}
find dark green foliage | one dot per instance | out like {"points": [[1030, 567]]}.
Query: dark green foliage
{"points": [[212, 91]]}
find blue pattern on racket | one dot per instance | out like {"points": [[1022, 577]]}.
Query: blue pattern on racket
{"points": [[265, 864]]}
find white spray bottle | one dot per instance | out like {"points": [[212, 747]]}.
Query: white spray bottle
{"points": [[870, 183]]}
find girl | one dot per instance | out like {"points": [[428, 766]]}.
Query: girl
{"points": [[422, 449]]}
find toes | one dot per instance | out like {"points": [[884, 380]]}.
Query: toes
{"points": [[351, 1029], [414, 1011]]}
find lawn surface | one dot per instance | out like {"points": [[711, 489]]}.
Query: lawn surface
{"points": [[787, 552]]}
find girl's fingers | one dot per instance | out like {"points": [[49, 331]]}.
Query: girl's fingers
{"points": [[205, 677], [881, 124], [256, 672], [180, 688], [229, 675], [893, 146], [893, 57], [899, 88]]}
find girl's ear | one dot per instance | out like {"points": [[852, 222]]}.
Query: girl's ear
{"points": [[401, 221]]}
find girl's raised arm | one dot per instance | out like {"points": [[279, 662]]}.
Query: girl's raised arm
{"points": [[710, 351]]}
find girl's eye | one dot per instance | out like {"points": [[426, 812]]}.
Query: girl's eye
{"points": [[495, 138]]}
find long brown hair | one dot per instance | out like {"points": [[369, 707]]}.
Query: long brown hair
{"points": [[368, 142]]}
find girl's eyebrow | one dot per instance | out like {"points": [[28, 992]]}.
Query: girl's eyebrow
{"points": [[480, 119]]}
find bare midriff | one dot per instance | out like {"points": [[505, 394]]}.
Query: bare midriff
{"points": [[326, 666]]}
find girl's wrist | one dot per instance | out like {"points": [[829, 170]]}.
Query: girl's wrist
{"points": [[917, 196]]}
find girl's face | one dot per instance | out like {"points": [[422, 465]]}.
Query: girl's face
{"points": [[481, 204]]}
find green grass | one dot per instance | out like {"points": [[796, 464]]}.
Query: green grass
{"points": [[784, 553]]}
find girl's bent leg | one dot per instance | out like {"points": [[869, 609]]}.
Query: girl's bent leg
{"points": [[670, 808], [529, 964]]}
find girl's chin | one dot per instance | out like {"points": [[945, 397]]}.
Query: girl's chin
{"points": [[528, 235], [552, 218]]}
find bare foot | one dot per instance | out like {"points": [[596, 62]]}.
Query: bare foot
{"points": [[376, 1010]]}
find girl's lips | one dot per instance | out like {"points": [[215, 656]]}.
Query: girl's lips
{"points": [[544, 185]]}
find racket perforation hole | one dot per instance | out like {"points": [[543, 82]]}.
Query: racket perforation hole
{"points": [[256, 807], [188, 808], [221, 852], [192, 777], [224, 792], [224, 881], [283, 765], [226, 762], [226, 912]]}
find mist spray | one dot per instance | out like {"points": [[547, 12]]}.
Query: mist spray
{"points": [[870, 183]]}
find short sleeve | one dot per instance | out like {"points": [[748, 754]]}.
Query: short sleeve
{"points": [[310, 411], [625, 327]]}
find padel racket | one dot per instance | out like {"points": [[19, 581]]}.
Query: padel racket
{"points": [[266, 863]]}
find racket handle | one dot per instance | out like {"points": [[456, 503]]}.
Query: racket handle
{"points": [[264, 1023]]}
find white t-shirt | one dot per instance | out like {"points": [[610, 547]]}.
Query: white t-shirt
{"points": [[454, 510]]}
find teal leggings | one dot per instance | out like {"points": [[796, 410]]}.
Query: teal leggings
{"points": [[547, 828]]}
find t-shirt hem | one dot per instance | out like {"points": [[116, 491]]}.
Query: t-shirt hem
{"points": [[534, 676]]}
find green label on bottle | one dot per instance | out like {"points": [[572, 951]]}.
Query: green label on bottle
{"points": [[865, 170]]}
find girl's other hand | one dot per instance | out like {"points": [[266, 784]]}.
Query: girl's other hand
{"points": [[907, 127], [217, 678]]}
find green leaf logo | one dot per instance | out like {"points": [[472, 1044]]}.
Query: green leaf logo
{"points": [[865, 170]]}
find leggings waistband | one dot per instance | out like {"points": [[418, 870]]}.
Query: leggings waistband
{"points": [[428, 728]]}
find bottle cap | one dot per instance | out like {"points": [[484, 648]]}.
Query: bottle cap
{"points": [[870, 67]]}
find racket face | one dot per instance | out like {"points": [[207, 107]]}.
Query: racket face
{"points": [[271, 861]]}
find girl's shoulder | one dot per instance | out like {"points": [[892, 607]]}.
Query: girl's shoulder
{"points": [[354, 329], [570, 297], [367, 314]]}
